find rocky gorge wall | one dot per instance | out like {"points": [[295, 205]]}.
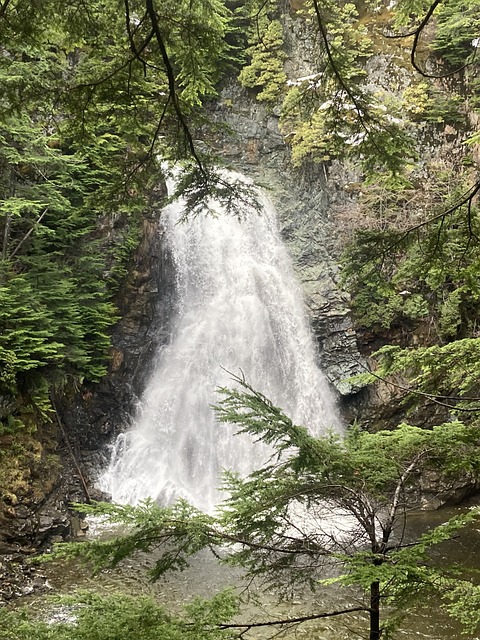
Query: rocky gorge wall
{"points": [[254, 145]]}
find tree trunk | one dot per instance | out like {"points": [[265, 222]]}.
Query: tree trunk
{"points": [[8, 219], [375, 611], [6, 236]]}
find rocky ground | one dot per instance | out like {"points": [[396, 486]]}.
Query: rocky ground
{"points": [[20, 577]]}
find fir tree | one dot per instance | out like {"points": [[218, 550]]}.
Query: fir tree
{"points": [[277, 523]]}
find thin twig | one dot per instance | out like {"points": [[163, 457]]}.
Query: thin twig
{"points": [[29, 233], [466, 198], [431, 397]]}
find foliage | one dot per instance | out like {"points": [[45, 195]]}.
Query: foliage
{"points": [[320, 499], [334, 113], [447, 374], [204, 190], [427, 104], [92, 93], [152, 525], [90, 616], [463, 604], [339, 111], [458, 25], [265, 70], [446, 43], [55, 313], [394, 279]]}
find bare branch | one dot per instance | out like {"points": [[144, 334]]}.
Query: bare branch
{"points": [[388, 525], [417, 33], [288, 621], [172, 85], [429, 396], [133, 47], [29, 233], [80, 473], [466, 198]]}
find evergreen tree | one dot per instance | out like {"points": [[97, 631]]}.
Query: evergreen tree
{"points": [[93, 93], [320, 500]]}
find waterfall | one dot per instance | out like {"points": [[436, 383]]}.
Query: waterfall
{"points": [[239, 309]]}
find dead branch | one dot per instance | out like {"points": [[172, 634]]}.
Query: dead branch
{"points": [[29, 233], [288, 621], [416, 33]]}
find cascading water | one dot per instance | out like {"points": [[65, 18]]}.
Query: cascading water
{"points": [[239, 309]]}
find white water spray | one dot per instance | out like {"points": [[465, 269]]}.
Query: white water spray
{"points": [[239, 309]]}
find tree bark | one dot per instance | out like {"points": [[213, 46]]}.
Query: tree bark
{"points": [[375, 631], [6, 235]]}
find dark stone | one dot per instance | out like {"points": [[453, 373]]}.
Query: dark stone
{"points": [[18, 578], [145, 303]]}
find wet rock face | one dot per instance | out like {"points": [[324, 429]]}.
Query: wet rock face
{"points": [[145, 302], [33, 520], [433, 492], [255, 146], [28, 529]]}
